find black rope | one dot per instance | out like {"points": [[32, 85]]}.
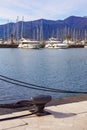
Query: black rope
{"points": [[28, 83], [16, 117], [22, 85], [36, 87]]}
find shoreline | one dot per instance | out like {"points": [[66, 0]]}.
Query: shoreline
{"points": [[70, 99], [53, 102]]}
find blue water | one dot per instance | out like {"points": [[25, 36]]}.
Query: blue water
{"points": [[57, 68]]}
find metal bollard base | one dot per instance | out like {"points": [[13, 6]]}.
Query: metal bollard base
{"points": [[39, 103]]}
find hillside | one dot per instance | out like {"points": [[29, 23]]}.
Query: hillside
{"points": [[43, 29]]}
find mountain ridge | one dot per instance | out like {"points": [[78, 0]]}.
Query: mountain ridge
{"points": [[46, 28]]}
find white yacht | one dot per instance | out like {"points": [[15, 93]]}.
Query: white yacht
{"points": [[54, 43], [29, 44], [52, 40], [1, 41], [60, 45]]}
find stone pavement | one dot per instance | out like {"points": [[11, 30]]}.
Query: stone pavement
{"points": [[71, 116]]}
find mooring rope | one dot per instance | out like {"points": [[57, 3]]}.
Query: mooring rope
{"points": [[35, 87]]}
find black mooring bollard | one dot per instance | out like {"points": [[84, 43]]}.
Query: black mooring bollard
{"points": [[40, 102]]}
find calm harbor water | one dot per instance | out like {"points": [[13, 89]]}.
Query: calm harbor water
{"points": [[56, 68]]}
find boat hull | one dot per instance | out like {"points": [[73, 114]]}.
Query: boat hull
{"points": [[30, 46], [8, 45], [76, 46]]}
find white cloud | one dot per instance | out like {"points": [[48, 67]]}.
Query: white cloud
{"points": [[35, 9]]}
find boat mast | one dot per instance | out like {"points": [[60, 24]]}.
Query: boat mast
{"points": [[37, 33], [17, 28], [4, 34], [85, 35], [22, 27], [8, 30], [41, 31]]}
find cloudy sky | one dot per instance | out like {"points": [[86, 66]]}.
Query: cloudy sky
{"points": [[36, 9]]}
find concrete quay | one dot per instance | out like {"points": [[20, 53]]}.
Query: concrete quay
{"points": [[66, 116]]}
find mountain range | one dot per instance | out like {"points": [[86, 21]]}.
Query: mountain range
{"points": [[43, 29]]}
